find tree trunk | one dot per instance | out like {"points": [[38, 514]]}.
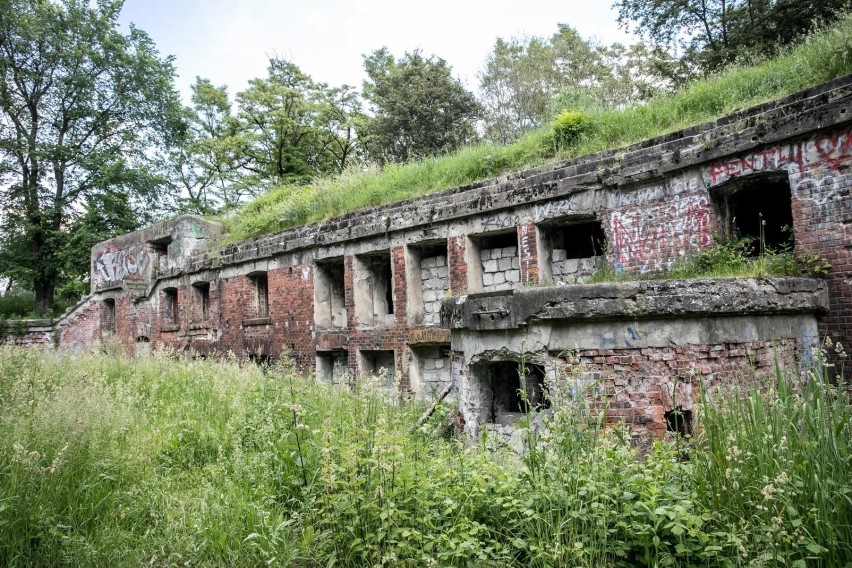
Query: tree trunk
{"points": [[44, 291]]}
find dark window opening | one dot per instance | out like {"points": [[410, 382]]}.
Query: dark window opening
{"points": [[679, 422], [201, 311], [760, 212], [109, 315], [260, 359], [170, 306], [500, 240], [508, 395], [578, 240], [143, 339], [261, 293]]}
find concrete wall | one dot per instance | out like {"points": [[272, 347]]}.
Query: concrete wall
{"points": [[331, 286]]}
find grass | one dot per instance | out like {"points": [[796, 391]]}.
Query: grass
{"points": [[823, 57], [743, 258], [107, 460]]}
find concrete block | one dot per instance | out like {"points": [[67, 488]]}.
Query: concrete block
{"points": [[487, 279], [558, 255], [504, 264], [489, 266], [513, 275], [499, 278]]}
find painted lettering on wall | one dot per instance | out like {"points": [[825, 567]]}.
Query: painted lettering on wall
{"points": [[526, 254], [827, 152], [114, 265], [817, 170], [652, 238]]}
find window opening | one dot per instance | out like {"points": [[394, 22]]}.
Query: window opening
{"points": [[507, 394], [499, 263], [109, 315], [758, 209], [679, 422], [374, 289], [329, 294], [261, 293], [170, 306], [202, 303]]}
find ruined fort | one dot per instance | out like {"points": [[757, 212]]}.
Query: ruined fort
{"points": [[478, 285]]}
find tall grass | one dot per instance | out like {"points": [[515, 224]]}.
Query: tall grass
{"points": [[822, 57], [107, 460]]}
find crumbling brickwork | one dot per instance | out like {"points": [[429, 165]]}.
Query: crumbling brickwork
{"points": [[364, 291]]}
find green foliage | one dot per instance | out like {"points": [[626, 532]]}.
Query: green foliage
{"points": [[83, 108], [523, 77], [110, 460], [707, 35], [567, 128], [821, 58], [419, 108]]}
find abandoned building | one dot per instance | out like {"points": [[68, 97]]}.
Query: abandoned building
{"points": [[485, 284]]}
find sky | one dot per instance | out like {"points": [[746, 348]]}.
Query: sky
{"points": [[230, 41]]}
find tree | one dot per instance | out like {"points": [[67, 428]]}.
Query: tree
{"points": [[82, 108], [527, 80], [419, 109], [706, 35], [294, 129], [205, 164]]}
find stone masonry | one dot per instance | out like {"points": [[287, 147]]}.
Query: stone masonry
{"points": [[363, 292]]}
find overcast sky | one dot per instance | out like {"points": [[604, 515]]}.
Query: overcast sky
{"points": [[229, 41]]}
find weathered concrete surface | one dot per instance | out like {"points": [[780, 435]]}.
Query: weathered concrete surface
{"points": [[135, 259], [636, 300]]}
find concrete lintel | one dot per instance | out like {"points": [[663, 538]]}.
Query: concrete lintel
{"points": [[650, 299]]}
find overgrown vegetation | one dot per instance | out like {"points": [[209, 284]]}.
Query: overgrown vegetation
{"points": [[110, 460], [822, 57], [741, 258]]}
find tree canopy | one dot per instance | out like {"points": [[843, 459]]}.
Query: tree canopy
{"points": [[707, 35], [525, 81], [419, 108], [83, 107]]}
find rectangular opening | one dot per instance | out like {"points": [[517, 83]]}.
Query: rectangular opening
{"points": [[373, 277], [571, 250], [430, 370], [329, 294], [679, 422], [757, 208], [109, 315], [499, 264], [260, 283], [201, 301], [427, 281], [503, 395], [379, 364], [333, 367], [170, 306], [160, 250]]}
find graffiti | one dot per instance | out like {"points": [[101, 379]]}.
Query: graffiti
{"points": [[115, 265], [828, 151], [525, 251], [551, 209], [498, 222], [649, 238]]}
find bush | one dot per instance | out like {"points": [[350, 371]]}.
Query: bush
{"points": [[567, 128]]}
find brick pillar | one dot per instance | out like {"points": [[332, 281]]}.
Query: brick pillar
{"points": [[400, 293], [351, 320], [456, 247], [528, 253]]}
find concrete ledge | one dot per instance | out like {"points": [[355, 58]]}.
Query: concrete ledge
{"points": [[636, 300]]}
